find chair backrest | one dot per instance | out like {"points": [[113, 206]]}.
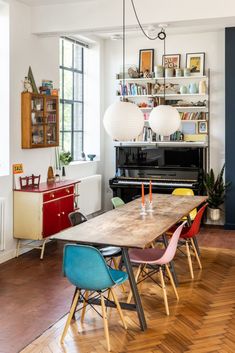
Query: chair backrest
{"points": [[182, 191], [195, 227], [185, 192], [172, 246], [85, 267], [117, 202], [76, 218]]}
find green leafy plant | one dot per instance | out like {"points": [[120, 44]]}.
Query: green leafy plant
{"points": [[215, 188], [65, 158]]}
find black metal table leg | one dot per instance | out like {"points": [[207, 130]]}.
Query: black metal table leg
{"points": [[172, 266], [134, 289]]}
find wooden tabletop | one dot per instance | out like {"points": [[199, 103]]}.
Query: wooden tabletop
{"points": [[125, 227]]}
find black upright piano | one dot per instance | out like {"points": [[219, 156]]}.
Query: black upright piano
{"points": [[167, 167]]}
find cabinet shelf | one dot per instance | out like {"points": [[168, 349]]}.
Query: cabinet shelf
{"points": [[154, 79]]}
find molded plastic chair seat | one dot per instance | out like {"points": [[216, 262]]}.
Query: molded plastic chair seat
{"points": [[110, 251], [150, 255], [118, 276], [117, 202], [186, 192]]}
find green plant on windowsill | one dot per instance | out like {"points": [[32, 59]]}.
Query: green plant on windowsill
{"points": [[65, 159], [215, 188]]}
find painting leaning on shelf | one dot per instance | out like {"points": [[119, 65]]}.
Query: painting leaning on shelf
{"points": [[195, 64]]}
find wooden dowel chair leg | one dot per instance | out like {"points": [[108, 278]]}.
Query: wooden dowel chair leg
{"points": [[106, 329], [136, 279], [189, 260], [73, 307], [172, 282], [164, 290], [43, 249], [116, 266], [84, 305], [196, 253], [118, 307]]}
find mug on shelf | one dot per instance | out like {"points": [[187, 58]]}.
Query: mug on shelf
{"points": [[187, 72], [169, 72], [178, 73], [183, 89]]}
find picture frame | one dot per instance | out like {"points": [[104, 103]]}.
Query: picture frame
{"points": [[196, 63], [146, 60], [202, 127], [171, 61]]}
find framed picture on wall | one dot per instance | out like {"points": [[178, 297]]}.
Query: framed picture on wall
{"points": [[196, 63], [171, 61], [146, 60], [202, 127]]}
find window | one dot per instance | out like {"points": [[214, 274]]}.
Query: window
{"points": [[72, 97]]}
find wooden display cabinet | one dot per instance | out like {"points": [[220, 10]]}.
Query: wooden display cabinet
{"points": [[39, 120], [41, 212]]}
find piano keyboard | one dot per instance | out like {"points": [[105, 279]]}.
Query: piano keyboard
{"points": [[156, 183]]}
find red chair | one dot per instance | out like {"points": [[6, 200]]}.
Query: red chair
{"points": [[188, 234]]}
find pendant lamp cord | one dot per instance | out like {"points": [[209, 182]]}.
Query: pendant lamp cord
{"points": [[123, 48], [164, 67]]}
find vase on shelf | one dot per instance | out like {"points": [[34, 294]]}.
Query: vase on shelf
{"points": [[193, 88], [202, 87], [63, 172]]}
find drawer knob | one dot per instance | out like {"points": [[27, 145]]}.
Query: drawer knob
{"points": [[62, 213], [52, 195], [68, 191], [58, 214]]}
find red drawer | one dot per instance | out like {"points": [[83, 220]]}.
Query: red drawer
{"points": [[56, 194]]}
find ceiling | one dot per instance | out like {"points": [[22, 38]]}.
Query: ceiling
{"points": [[50, 2]]}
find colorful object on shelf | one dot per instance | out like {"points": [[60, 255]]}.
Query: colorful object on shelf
{"points": [[91, 156], [50, 175], [17, 168]]}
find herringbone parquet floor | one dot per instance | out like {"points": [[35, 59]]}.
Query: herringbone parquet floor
{"points": [[203, 321]]}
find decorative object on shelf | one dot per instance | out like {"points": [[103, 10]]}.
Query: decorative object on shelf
{"points": [[32, 81], [183, 89], [27, 85], [169, 72], [171, 61], [50, 175], [202, 127], [133, 72], [202, 87], [215, 188], [164, 120], [187, 72], [159, 71], [193, 88], [146, 60], [196, 63], [123, 120], [65, 159], [169, 88], [91, 156], [31, 181], [83, 156], [147, 74], [178, 73]]}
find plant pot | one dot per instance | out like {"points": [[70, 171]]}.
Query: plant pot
{"points": [[213, 213]]}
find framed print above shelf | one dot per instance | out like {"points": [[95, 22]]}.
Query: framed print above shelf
{"points": [[171, 61], [146, 60], [196, 63]]}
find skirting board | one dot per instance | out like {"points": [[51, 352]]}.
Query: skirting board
{"points": [[229, 226]]}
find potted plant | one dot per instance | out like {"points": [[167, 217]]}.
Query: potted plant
{"points": [[215, 188], [65, 159]]}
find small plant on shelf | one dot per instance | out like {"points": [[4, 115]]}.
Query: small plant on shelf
{"points": [[65, 159], [215, 188]]}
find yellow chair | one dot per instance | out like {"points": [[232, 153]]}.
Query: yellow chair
{"points": [[186, 192]]}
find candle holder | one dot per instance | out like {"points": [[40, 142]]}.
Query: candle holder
{"points": [[150, 207], [143, 210]]}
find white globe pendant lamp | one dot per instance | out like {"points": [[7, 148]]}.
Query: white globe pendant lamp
{"points": [[164, 120], [123, 121]]}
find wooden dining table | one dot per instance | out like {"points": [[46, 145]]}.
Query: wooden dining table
{"points": [[126, 228]]}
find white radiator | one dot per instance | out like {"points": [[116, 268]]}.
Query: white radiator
{"points": [[89, 190], [2, 223]]}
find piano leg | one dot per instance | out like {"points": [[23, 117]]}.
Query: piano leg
{"points": [[172, 266]]}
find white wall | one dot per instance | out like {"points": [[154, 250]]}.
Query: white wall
{"points": [[43, 55], [212, 43]]}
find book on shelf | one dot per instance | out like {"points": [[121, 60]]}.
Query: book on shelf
{"points": [[193, 116]]}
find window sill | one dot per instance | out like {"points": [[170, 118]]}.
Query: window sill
{"points": [[83, 162]]}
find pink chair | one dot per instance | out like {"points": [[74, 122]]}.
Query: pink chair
{"points": [[153, 257]]}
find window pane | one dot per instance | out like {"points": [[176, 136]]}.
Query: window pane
{"points": [[78, 57], [68, 117], [61, 140], [61, 116], [61, 83], [78, 89], [77, 118], [67, 141], [77, 145], [68, 85], [61, 52], [68, 53]]}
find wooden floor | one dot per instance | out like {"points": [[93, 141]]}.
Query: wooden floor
{"points": [[202, 322]]}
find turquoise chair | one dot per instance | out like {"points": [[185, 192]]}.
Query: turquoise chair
{"points": [[86, 269]]}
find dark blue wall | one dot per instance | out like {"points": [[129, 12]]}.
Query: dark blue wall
{"points": [[230, 125]]}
